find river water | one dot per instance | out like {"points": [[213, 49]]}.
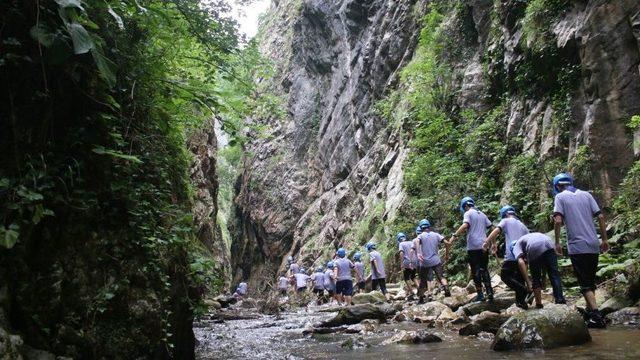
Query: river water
{"points": [[280, 337]]}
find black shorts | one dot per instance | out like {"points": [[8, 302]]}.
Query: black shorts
{"points": [[344, 287], [318, 292], [331, 292], [381, 283], [425, 274], [283, 292], [302, 289], [408, 274], [362, 285], [585, 267]]}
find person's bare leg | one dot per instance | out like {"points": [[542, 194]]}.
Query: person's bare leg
{"points": [[537, 293], [590, 298]]}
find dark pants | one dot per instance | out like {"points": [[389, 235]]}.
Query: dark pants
{"points": [[375, 283], [427, 274], [479, 262], [585, 267], [510, 275], [548, 261]]}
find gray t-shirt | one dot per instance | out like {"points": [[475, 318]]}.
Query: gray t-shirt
{"points": [[408, 258], [359, 270], [344, 267], [283, 283], [242, 288], [301, 280], [532, 246], [329, 283], [318, 280], [295, 268], [375, 255], [477, 232], [428, 243], [578, 210], [513, 229]]}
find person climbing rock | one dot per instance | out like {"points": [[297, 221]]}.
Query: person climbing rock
{"points": [[408, 264], [359, 267], [538, 251], [318, 284], [329, 282], [283, 284], [241, 290], [513, 229], [342, 273], [475, 223], [575, 209], [378, 275], [426, 247], [301, 278]]}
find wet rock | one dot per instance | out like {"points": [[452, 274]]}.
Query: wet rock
{"points": [[485, 336], [357, 343], [484, 322], [10, 345], [553, 326], [212, 304], [446, 316], [432, 308], [325, 330], [614, 304], [627, 316], [225, 300], [430, 321], [471, 288], [601, 298], [357, 313], [374, 297], [498, 304], [412, 337], [455, 301], [364, 327], [512, 310], [400, 317]]}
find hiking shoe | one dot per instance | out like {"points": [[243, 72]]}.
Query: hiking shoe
{"points": [[596, 321], [421, 300], [447, 293], [539, 306], [561, 301], [522, 305], [529, 298], [479, 298]]}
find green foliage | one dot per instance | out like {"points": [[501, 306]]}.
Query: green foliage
{"points": [[627, 203], [538, 18], [634, 123]]}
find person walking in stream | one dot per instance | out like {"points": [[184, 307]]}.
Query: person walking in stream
{"points": [[513, 229], [342, 273], [301, 279], [408, 265], [575, 209], [329, 282], [378, 275], [426, 247], [317, 279], [537, 249], [359, 269], [294, 268], [283, 284], [475, 223]]}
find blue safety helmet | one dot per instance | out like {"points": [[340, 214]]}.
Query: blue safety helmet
{"points": [[561, 179], [400, 236], [330, 265], [341, 253], [319, 269], [418, 230], [466, 201], [357, 256], [507, 210], [290, 259], [371, 246], [303, 271], [424, 224]]}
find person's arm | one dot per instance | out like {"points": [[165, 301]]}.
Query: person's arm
{"points": [[557, 226], [522, 265], [604, 247], [491, 238], [374, 268], [416, 244], [459, 232], [335, 272]]}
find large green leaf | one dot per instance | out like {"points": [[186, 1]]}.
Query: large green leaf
{"points": [[102, 151], [116, 17], [105, 66], [39, 33], [9, 237], [82, 41]]}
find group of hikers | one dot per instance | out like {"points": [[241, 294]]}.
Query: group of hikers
{"points": [[527, 256]]}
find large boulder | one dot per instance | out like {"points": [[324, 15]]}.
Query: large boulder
{"points": [[626, 316], [484, 322], [412, 337], [499, 303], [553, 326], [614, 304], [225, 300], [374, 297], [354, 314], [430, 309], [456, 300]]}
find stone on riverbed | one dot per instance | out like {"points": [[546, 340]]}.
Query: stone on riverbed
{"points": [[354, 343], [225, 300], [433, 308], [374, 297], [626, 316], [412, 337], [614, 304], [213, 304], [500, 303], [553, 326], [354, 314], [484, 322]]}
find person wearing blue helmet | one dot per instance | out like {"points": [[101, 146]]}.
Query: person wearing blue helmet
{"points": [[359, 269], [294, 268], [300, 279], [513, 229], [342, 274], [317, 278], [575, 209], [426, 247], [329, 282], [378, 275], [407, 254], [475, 223], [283, 284]]}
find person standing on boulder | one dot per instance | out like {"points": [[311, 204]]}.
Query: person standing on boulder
{"points": [[575, 209], [359, 267], [475, 223], [407, 254], [329, 283], [426, 246], [513, 229], [378, 275], [342, 273], [318, 284], [538, 251], [283, 284]]}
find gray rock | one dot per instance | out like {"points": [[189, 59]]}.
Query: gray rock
{"points": [[553, 326], [412, 337], [627, 316], [484, 322], [614, 304], [431, 309], [497, 306], [354, 314], [374, 297]]}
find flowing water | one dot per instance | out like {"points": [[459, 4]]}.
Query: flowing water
{"points": [[280, 337]]}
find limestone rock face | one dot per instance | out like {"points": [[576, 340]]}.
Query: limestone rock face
{"points": [[553, 326]]}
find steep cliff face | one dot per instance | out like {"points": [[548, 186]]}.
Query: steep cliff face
{"points": [[332, 171]]}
